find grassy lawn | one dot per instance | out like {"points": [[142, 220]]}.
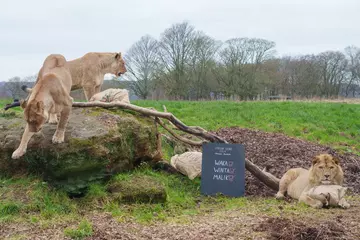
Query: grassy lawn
{"points": [[44, 205], [335, 124]]}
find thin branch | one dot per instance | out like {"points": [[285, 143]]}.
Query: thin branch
{"points": [[182, 139], [165, 110], [169, 139], [169, 116]]}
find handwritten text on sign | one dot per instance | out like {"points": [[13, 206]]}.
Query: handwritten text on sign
{"points": [[223, 168]]}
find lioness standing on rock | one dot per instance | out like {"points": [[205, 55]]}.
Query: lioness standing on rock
{"points": [[88, 73], [50, 95], [297, 182]]}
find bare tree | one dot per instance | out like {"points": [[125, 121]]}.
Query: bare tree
{"points": [[240, 59], [142, 64], [175, 49], [332, 66], [201, 62], [353, 55], [270, 79], [301, 75], [13, 86]]}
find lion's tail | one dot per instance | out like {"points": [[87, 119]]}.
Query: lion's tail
{"points": [[26, 89]]}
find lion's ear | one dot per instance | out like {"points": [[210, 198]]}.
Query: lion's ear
{"points": [[23, 104], [336, 160], [315, 160], [118, 56]]}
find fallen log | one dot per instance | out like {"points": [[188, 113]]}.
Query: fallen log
{"points": [[265, 177], [11, 105]]}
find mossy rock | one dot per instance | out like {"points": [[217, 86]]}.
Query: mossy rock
{"points": [[137, 189], [98, 144]]}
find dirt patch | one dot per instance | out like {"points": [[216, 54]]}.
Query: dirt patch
{"points": [[210, 228], [287, 229], [279, 153]]}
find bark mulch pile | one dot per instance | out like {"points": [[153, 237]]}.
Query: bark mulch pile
{"points": [[287, 229], [279, 153]]}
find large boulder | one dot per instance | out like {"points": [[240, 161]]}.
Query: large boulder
{"points": [[98, 143]]}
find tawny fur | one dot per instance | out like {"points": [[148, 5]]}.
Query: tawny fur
{"points": [[296, 182], [50, 95], [330, 195], [88, 72]]}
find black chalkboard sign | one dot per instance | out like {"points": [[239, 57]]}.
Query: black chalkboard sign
{"points": [[223, 169]]}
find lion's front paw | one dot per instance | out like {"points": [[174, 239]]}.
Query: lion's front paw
{"points": [[279, 195], [53, 119], [18, 153], [57, 138]]}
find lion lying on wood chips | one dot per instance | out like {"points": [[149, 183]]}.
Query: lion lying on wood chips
{"points": [[50, 95], [299, 183]]}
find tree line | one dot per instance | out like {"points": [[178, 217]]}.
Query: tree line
{"points": [[187, 64]]}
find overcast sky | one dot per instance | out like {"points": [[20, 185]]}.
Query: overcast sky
{"points": [[32, 29]]}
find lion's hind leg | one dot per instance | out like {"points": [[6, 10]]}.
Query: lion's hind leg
{"points": [[89, 91], [285, 181]]}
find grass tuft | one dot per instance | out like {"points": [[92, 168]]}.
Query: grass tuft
{"points": [[82, 231]]}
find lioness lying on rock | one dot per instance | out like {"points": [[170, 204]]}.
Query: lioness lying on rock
{"points": [[112, 95], [50, 95], [297, 182]]}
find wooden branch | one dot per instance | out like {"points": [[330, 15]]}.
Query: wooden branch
{"points": [[169, 139], [11, 105], [169, 116], [180, 138], [265, 177], [165, 110]]}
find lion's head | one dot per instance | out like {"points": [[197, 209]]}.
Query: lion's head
{"points": [[118, 66], [326, 170], [34, 115]]}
